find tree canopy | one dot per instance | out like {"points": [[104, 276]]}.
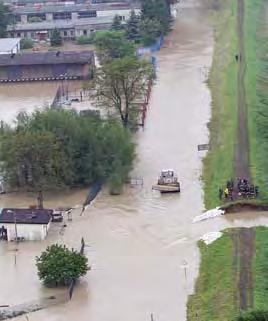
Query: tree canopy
{"points": [[57, 148], [58, 265], [117, 23], [111, 44], [132, 27], [119, 84], [5, 19], [157, 10], [56, 39]]}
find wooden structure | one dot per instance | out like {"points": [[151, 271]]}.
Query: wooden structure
{"points": [[51, 65]]}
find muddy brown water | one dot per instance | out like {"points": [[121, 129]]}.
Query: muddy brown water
{"points": [[141, 245]]}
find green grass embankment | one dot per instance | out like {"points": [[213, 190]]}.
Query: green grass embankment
{"points": [[213, 299], [260, 269], [216, 291], [218, 164], [256, 82]]}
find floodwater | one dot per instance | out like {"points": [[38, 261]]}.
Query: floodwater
{"points": [[141, 245]]}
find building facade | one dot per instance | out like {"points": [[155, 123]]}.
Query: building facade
{"points": [[38, 21]]}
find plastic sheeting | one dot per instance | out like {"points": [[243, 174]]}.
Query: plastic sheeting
{"points": [[215, 212], [209, 238]]}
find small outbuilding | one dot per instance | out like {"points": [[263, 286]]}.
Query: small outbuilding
{"points": [[9, 46], [24, 223]]}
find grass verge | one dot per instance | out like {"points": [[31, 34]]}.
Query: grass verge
{"points": [[216, 291], [213, 298], [256, 82], [218, 164]]}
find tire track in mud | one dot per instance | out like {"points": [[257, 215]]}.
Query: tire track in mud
{"points": [[243, 253], [241, 164], [245, 245]]}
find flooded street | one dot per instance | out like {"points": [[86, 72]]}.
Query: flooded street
{"points": [[141, 245]]}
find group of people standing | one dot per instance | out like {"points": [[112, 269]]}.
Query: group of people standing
{"points": [[242, 188]]}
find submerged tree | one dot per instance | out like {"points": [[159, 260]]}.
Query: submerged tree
{"points": [[120, 83], [52, 149], [58, 265]]}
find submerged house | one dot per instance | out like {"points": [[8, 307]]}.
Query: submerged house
{"points": [[51, 65], [24, 224]]}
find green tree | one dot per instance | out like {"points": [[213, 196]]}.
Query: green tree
{"points": [[132, 27], [119, 84], [55, 39], [157, 10], [112, 44], [51, 149], [58, 265], [150, 30], [5, 19], [117, 23], [26, 43]]}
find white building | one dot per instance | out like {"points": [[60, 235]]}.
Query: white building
{"points": [[24, 223], [9, 46]]}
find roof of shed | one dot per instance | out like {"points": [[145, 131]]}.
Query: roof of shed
{"points": [[7, 44], [48, 57], [25, 216]]}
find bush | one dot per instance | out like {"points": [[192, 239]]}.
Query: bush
{"points": [[85, 40], [26, 43], [58, 265]]}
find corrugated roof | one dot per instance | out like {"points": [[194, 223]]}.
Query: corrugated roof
{"points": [[7, 44], [49, 57], [25, 216]]}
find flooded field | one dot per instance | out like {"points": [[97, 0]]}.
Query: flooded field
{"points": [[141, 245]]}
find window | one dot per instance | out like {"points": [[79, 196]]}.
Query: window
{"points": [[72, 32], [62, 16], [18, 34], [65, 33], [122, 18], [84, 32], [36, 17], [32, 34], [87, 14]]}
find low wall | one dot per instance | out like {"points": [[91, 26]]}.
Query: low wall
{"points": [[44, 72]]}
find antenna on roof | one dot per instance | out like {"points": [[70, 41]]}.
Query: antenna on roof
{"points": [[57, 53]]}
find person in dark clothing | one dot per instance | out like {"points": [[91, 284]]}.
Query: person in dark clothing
{"points": [[220, 193]]}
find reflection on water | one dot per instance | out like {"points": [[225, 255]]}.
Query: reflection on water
{"points": [[140, 243]]}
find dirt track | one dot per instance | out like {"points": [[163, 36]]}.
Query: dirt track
{"points": [[245, 243], [242, 146], [244, 248]]}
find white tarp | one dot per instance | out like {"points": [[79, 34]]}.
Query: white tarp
{"points": [[209, 214], [211, 237]]}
